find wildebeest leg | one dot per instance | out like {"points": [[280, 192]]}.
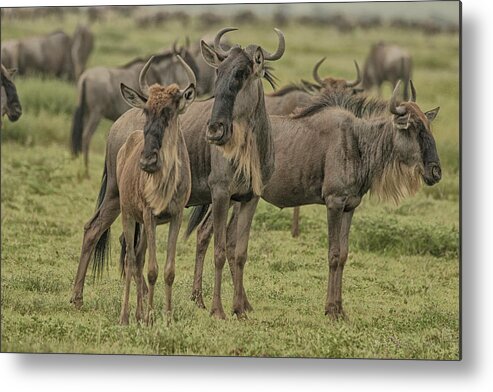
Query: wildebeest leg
{"points": [[220, 206], [102, 219], [204, 235], [335, 208], [231, 249], [140, 254], [130, 264], [245, 217], [169, 268], [295, 227], [89, 128], [152, 266], [344, 241]]}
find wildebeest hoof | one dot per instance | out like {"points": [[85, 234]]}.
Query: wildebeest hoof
{"points": [[198, 299], [77, 302], [218, 314], [335, 312], [241, 314], [124, 319]]}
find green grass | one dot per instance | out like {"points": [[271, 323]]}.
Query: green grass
{"points": [[401, 283]]}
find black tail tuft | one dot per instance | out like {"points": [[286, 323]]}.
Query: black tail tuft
{"points": [[103, 249], [196, 217], [77, 123], [123, 244]]}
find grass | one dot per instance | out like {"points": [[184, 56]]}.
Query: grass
{"points": [[401, 284]]}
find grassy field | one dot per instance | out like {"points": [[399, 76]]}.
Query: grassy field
{"points": [[401, 285]]}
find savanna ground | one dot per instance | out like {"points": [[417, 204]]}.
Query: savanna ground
{"points": [[401, 283]]}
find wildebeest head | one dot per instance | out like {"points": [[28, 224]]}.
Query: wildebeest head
{"points": [[161, 106], [330, 84], [414, 141], [11, 105], [238, 88]]}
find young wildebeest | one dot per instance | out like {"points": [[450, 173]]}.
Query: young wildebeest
{"points": [[349, 154], [99, 94], [387, 62], [153, 178], [287, 99], [231, 156], [9, 99]]}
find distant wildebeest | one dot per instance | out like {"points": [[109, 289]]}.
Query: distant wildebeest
{"points": [[9, 99], [387, 62], [55, 54], [334, 152], [154, 182], [231, 157], [285, 100], [99, 95]]}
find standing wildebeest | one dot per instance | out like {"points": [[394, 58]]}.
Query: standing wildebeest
{"points": [[387, 62], [153, 178], [99, 94], [231, 155], [333, 152], [54, 54], [9, 99]]}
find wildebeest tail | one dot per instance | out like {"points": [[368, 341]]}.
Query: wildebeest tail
{"points": [[102, 249], [196, 217], [123, 244], [77, 122]]}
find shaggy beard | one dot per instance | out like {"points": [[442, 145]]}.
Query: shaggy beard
{"points": [[242, 151], [397, 182]]}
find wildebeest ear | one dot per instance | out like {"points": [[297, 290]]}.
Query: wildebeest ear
{"points": [[12, 72], [209, 55], [187, 97], [132, 97], [258, 62], [431, 114]]}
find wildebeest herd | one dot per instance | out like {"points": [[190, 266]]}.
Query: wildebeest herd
{"points": [[324, 142]]}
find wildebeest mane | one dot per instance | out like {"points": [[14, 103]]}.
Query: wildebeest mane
{"points": [[269, 75], [359, 104]]}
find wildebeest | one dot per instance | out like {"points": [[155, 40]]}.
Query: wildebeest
{"points": [[153, 177], [387, 62], [99, 95], [9, 99], [10, 53], [54, 54], [334, 152], [231, 156]]}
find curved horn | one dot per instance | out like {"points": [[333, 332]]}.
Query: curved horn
{"points": [[144, 87], [315, 74], [354, 83], [394, 109], [174, 47], [413, 91], [280, 48], [188, 70], [217, 41]]}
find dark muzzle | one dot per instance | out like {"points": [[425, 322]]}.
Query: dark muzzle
{"points": [[218, 133], [14, 113], [433, 174], [150, 163]]}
